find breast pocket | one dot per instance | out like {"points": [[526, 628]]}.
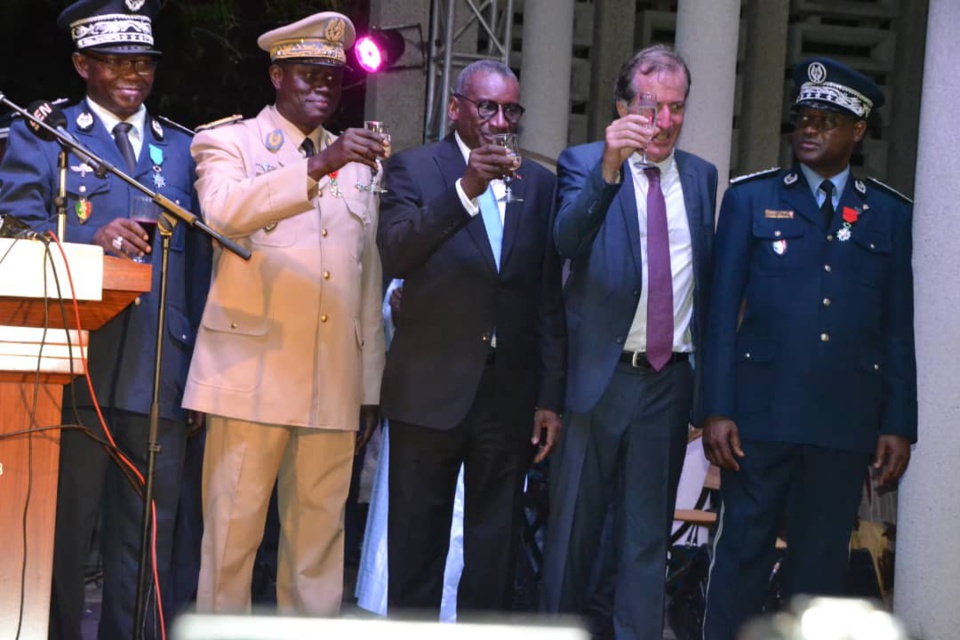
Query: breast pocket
{"points": [[870, 255], [778, 244]]}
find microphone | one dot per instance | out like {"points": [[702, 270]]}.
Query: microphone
{"points": [[51, 116], [13, 227]]}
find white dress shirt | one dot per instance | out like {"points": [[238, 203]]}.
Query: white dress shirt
{"points": [[681, 256], [137, 120]]}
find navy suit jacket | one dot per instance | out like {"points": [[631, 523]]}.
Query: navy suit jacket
{"points": [[810, 338], [121, 354], [598, 230], [454, 298]]}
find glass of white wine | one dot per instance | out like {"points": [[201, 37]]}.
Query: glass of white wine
{"points": [[647, 106], [381, 128], [509, 142]]}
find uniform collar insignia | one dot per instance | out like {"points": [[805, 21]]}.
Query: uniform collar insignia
{"points": [[156, 128], [85, 120], [790, 179], [860, 187], [274, 140]]}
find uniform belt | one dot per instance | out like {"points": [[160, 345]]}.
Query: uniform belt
{"points": [[638, 359]]}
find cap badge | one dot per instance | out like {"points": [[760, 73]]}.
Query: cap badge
{"points": [[134, 5], [85, 120], [817, 73], [274, 140], [335, 30]]}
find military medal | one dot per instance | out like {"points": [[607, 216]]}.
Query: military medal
{"points": [[850, 217], [779, 247], [156, 157], [83, 209], [334, 186]]}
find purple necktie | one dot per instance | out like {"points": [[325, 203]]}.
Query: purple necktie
{"points": [[659, 277]]}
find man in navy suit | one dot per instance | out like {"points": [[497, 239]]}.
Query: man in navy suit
{"points": [[115, 57], [477, 360], [639, 240], [810, 365]]}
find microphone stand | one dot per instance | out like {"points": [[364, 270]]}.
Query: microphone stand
{"points": [[173, 212], [60, 202]]}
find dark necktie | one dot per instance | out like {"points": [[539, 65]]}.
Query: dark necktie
{"points": [[122, 138], [308, 148], [659, 276], [826, 209]]}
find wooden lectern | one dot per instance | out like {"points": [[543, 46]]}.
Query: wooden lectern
{"points": [[29, 462]]}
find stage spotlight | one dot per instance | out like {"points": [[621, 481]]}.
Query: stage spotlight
{"points": [[379, 49]]}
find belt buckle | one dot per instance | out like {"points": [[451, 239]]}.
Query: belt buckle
{"points": [[635, 360]]}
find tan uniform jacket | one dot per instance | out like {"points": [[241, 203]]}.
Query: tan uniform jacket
{"points": [[294, 335]]}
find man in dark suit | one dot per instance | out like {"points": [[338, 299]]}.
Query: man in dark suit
{"points": [[477, 360], [810, 364], [639, 241], [116, 59]]}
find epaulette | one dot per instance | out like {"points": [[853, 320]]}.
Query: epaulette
{"points": [[219, 123], [174, 125], [890, 189], [751, 176]]}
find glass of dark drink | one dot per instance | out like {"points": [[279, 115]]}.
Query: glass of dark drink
{"points": [[145, 212]]}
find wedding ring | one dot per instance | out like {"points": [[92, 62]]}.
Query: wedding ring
{"points": [[118, 243]]}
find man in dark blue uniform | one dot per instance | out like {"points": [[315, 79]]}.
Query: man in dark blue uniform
{"points": [[115, 56], [810, 366]]}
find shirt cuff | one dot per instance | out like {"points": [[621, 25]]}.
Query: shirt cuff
{"points": [[472, 206]]}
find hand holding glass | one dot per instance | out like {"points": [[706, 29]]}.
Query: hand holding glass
{"points": [[509, 142], [647, 107], [146, 213], [382, 130]]}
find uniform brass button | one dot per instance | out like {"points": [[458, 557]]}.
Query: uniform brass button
{"points": [[323, 318], [824, 337], [83, 188], [830, 238], [485, 338], [827, 268], [876, 367], [326, 275], [323, 232], [136, 301], [826, 302], [747, 355], [234, 325], [873, 246], [776, 234]]}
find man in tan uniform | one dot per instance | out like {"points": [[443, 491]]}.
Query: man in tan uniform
{"points": [[291, 342]]}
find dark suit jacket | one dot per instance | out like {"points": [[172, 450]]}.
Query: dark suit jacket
{"points": [[598, 230], [121, 354], [454, 299], [824, 353]]}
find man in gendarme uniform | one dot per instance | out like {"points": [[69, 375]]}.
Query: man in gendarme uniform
{"points": [[809, 370], [291, 342]]}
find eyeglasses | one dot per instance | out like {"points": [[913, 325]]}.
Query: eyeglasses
{"points": [[819, 122], [122, 66], [487, 109]]}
